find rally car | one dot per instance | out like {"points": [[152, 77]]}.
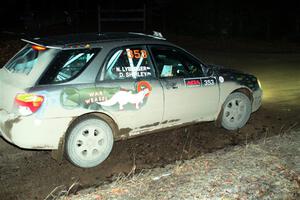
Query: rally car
{"points": [[77, 94]]}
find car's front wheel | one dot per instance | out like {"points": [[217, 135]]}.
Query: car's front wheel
{"points": [[236, 111], [89, 142]]}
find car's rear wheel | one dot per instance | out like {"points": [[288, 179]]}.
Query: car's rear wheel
{"points": [[89, 142], [236, 111]]}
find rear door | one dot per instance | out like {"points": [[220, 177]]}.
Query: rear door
{"points": [[129, 90], [189, 94]]}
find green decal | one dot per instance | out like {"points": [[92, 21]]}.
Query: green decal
{"points": [[106, 98], [71, 98]]}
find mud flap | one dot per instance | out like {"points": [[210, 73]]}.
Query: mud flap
{"points": [[59, 153], [219, 118]]}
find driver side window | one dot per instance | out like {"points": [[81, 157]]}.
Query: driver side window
{"points": [[172, 62]]}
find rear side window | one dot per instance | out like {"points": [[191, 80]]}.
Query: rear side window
{"points": [[24, 61], [67, 65], [129, 63]]}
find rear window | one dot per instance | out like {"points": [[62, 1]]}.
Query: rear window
{"points": [[24, 61], [67, 65]]}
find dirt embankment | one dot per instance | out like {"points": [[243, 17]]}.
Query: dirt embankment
{"points": [[265, 169]]}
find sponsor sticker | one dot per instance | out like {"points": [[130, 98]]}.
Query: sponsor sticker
{"points": [[144, 85], [200, 82], [192, 82]]}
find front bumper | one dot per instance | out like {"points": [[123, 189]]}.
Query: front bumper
{"points": [[257, 99], [32, 133]]}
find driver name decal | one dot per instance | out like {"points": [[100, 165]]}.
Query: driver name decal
{"points": [[128, 72]]}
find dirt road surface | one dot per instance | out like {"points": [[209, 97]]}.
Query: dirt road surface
{"points": [[28, 174]]}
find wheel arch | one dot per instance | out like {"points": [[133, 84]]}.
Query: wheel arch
{"points": [[247, 91], [107, 118]]}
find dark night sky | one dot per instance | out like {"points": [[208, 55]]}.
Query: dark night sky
{"points": [[231, 18]]}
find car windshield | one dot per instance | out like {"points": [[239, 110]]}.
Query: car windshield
{"points": [[24, 61], [67, 65]]}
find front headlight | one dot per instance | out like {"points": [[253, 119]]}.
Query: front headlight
{"points": [[259, 84]]}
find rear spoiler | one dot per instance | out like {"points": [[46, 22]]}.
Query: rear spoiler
{"points": [[42, 45], [156, 35]]}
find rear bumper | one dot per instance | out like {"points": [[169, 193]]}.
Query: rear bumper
{"points": [[257, 99], [5, 121], [32, 133]]}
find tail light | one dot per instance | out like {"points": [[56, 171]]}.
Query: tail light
{"points": [[38, 48], [28, 103]]}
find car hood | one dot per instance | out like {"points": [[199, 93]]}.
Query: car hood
{"points": [[232, 75]]}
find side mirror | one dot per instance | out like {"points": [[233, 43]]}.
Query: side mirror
{"points": [[209, 71]]}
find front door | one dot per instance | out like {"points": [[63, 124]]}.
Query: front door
{"points": [[130, 91], [189, 95]]}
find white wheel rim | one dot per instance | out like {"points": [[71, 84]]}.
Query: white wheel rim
{"points": [[89, 143], [235, 111]]}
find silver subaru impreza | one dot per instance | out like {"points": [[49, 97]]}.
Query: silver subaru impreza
{"points": [[77, 94]]}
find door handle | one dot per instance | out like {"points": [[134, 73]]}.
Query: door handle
{"points": [[173, 85]]}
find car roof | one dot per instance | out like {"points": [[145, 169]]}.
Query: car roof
{"points": [[83, 39]]}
